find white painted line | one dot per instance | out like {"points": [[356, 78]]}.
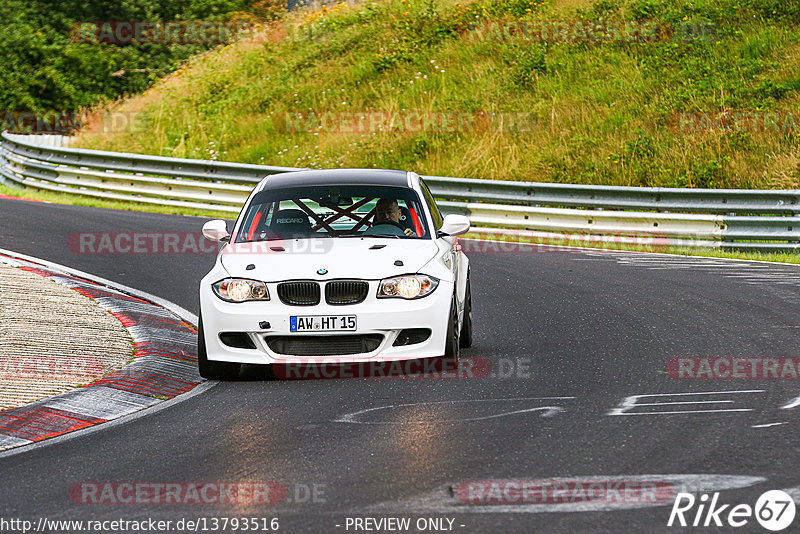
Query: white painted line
{"points": [[11, 441], [121, 405], [549, 411], [687, 402], [145, 411], [616, 252], [688, 412], [140, 333], [767, 425], [793, 404], [442, 500], [794, 492], [702, 393], [631, 402], [101, 402]]}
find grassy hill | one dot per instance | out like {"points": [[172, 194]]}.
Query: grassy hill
{"points": [[514, 105], [48, 68]]}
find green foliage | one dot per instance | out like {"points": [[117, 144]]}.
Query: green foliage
{"points": [[525, 63], [646, 9], [591, 111], [45, 68], [606, 8]]}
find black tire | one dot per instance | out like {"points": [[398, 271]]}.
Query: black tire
{"points": [[452, 347], [208, 369], [465, 340]]}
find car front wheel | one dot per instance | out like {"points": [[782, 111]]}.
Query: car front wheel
{"points": [[452, 347], [208, 369], [465, 339]]}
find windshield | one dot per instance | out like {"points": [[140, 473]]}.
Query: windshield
{"points": [[333, 211]]}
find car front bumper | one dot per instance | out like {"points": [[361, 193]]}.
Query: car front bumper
{"points": [[385, 317]]}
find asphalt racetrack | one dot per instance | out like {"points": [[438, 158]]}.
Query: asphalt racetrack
{"points": [[577, 343]]}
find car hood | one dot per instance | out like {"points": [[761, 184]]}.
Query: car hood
{"points": [[327, 258]]}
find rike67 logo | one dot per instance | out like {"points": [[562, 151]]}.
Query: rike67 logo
{"points": [[774, 510]]}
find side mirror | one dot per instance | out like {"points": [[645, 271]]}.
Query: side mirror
{"points": [[454, 224], [216, 230]]}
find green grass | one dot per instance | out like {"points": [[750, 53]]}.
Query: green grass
{"points": [[598, 113], [80, 200], [778, 257]]}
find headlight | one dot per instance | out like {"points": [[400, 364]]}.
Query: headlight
{"points": [[240, 290], [407, 287]]}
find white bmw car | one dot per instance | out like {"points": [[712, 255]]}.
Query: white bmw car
{"points": [[340, 266]]}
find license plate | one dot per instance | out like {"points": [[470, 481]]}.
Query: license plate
{"points": [[321, 323]]}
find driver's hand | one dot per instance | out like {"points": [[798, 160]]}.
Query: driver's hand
{"points": [[409, 232]]}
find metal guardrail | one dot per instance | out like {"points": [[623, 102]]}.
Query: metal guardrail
{"points": [[766, 220], [729, 201]]}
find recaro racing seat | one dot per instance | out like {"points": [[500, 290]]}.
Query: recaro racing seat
{"points": [[291, 223], [405, 219]]}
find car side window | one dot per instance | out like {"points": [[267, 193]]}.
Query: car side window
{"points": [[434, 209]]}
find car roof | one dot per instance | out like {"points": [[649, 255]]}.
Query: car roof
{"points": [[336, 176]]}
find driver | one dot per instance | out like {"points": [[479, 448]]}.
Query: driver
{"points": [[388, 212]]}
